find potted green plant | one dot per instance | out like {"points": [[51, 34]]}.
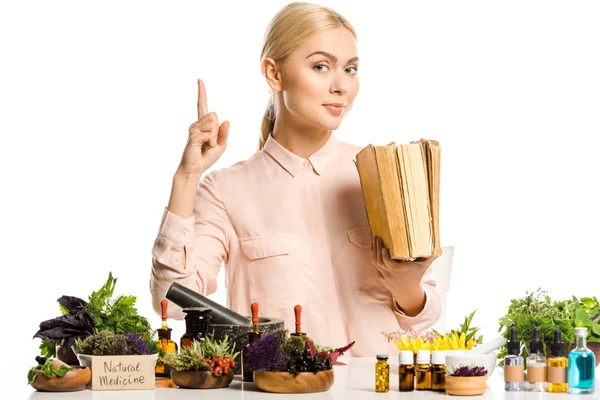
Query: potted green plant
{"points": [[538, 310], [466, 381], [53, 375], [207, 364], [284, 363], [82, 318]]}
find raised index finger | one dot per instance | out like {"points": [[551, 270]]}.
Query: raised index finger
{"points": [[202, 105]]}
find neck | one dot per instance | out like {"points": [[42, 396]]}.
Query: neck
{"points": [[300, 139]]}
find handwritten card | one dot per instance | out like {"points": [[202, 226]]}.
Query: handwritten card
{"points": [[123, 372]]}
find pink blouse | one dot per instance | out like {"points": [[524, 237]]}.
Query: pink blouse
{"points": [[290, 231]]}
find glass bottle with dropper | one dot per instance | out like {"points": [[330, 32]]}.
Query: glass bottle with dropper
{"points": [[513, 364], [582, 362], [536, 364], [557, 365], [253, 335], [164, 341]]}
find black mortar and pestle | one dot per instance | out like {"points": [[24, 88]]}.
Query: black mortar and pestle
{"points": [[223, 321]]}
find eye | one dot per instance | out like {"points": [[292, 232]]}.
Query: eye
{"points": [[352, 70], [320, 67]]}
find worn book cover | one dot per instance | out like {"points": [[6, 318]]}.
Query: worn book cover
{"points": [[400, 185]]}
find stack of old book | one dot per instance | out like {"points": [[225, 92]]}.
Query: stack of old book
{"points": [[401, 187]]}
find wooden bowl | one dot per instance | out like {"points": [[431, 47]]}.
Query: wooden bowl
{"points": [[284, 382], [465, 385], [74, 380], [201, 379]]}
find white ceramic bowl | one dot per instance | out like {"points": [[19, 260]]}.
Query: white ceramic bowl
{"points": [[456, 359]]}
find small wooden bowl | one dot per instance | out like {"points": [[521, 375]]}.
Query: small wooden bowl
{"points": [[284, 382], [465, 385], [74, 380], [201, 379]]}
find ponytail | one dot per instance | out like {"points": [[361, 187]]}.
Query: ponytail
{"points": [[268, 123]]}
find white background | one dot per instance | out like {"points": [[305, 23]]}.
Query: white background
{"points": [[96, 100]]}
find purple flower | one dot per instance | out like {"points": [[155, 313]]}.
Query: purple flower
{"points": [[469, 371], [135, 344], [265, 354]]}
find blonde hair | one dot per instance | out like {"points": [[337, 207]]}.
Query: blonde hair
{"points": [[292, 25]]}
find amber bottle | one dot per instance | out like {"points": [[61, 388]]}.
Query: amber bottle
{"points": [[164, 341], [253, 335]]}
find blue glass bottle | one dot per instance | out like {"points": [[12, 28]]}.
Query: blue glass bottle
{"points": [[581, 365]]}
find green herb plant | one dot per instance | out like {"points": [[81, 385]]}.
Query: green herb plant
{"points": [[102, 312], [465, 328], [47, 370], [538, 310], [204, 355]]}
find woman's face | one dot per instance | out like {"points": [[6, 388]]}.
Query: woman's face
{"points": [[319, 78]]}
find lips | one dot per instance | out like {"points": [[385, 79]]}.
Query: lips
{"points": [[335, 108]]}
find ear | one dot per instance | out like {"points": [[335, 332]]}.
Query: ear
{"points": [[273, 74]]}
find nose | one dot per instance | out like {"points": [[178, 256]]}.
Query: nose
{"points": [[339, 86]]}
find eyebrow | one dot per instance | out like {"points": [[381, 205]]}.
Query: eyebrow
{"points": [[331, 56]]}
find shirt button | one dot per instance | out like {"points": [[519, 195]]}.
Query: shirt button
{"points": [[184, 232], [306, 164]]}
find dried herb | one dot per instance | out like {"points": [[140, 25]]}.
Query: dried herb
{"points": [[107, 343], [469, 371]]}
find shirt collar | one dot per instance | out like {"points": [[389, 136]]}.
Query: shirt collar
{"points": [[293, 163]]}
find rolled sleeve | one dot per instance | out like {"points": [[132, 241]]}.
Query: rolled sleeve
{"points": [[203, 239], [427, 317]]}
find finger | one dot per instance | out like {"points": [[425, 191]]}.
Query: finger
{"points": [[202, 102], [223, 134], [214, 130], [373, 249], [200, 137]]}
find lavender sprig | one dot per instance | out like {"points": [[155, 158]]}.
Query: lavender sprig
{"points": [[136, 344], [265, 354], [469, 371]]}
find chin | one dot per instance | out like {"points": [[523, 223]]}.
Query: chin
{"points": [[329, 123]]}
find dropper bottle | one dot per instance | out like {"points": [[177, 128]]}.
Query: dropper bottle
{"points": [[298, 317], [513, 364], [536, 364], [557, 365], [253, 335]]}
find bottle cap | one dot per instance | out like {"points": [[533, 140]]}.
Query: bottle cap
{"points": [[536, 345], [513, 345], [423, 357], [438, 357], [557, 348], [581, 332], [406, 357], [382, 356], [163, 306]]}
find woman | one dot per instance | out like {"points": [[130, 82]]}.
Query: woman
{"points": [[289, 223]]}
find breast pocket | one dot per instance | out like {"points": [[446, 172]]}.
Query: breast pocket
{"points": [[276, 274], [367, 287]]}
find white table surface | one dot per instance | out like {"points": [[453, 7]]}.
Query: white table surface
{"points": [[353, 381]]}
